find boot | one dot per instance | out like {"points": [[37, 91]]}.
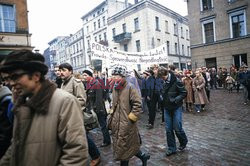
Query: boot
{"points": [[144, 157]]}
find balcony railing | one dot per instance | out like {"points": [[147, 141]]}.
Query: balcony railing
{"points": [[122, 38]]}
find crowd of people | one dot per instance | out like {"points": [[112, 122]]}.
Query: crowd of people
{"points": [[45, 122]]}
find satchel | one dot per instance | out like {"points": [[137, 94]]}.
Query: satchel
{"points": [[90, 120]]}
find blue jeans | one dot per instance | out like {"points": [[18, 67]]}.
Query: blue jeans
{"points": [[93, 150], [173, 121]]}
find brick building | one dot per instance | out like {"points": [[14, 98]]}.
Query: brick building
{"points": [[14, 29], [219, 32]]}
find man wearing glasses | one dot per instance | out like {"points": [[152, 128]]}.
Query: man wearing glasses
{"points": [[48, 124]]}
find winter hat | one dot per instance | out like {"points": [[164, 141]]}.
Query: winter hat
{"points": [[88, 72], [187, 72], [25, 60], [119, 70]]}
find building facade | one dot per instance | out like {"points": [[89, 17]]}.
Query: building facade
{"points": [[14, 28], [77, 53], [220, 32], [95, 25], [146, 25]]}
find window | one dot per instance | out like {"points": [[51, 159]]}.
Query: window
{"points": [[168, 47], [166, 26], [175, 29], [176, 48], [95, 38], [113, 32], [182, 48], [208, 32], [104, 20], [105, 36], [102, 9], [93, 15], [125, 47], [182, 32], [187, 35], [188, 48], [87, 29], [100, 37], [238, 24], [7, 18], [99, 23], [94, 26], [240, 59], [136, 22], [158, 42], [206, 4], [88, 44], [157, 26], [124, 28], [138, 46]]}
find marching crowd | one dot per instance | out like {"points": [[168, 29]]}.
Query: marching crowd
{"points": [[48, 122]]}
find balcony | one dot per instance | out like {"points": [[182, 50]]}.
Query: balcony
{"points": [[122, 38]]}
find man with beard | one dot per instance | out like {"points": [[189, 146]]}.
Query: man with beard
{"points": [[48, 123], [71, 84]]}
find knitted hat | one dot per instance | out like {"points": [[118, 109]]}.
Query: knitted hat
{"points": [[119, 70], [25, 60], [88, 72]]}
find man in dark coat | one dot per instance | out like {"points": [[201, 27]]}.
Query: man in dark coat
{"points": [[173, 93], [95, 101]]}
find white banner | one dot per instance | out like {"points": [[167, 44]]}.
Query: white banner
{"points": [[154, 56]]}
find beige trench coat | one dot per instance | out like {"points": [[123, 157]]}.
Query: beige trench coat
{"points": [[200, 96], [125, 135], [188, 83]]}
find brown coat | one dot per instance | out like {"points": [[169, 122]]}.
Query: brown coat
{"points": [[125, 135], [48, 130], [76, 88], [200, 96], [188, 83]]}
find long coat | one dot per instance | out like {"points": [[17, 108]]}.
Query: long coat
{"points": [[188, 83], [125, 135], [200, 96], [48, 130]]}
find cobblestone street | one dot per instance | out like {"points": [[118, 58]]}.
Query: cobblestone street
{"points": [[218, 136]]}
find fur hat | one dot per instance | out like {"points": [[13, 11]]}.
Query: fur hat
{"points": [[119, 70], [25, 60], [88, 72]]}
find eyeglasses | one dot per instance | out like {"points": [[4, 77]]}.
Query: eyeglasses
{"points": [[13, 77]]}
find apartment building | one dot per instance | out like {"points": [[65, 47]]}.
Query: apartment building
{"points": [[95, 25], [14, 28], [146, 25], [220, 32], [76, 55]]}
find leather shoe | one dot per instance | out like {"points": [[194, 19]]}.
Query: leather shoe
{"points": [[145, 158], [182, 147], [105, 144], [169, 153], [95, 162], [149, 126]]}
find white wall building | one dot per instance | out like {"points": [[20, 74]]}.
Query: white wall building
{"points": [[77, 56], [95, 23], [146, 25]]}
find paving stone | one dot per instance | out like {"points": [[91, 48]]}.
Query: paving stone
{"points": [[218, 136]]}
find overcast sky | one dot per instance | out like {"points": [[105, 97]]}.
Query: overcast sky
{"points": [[51, 18]]}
